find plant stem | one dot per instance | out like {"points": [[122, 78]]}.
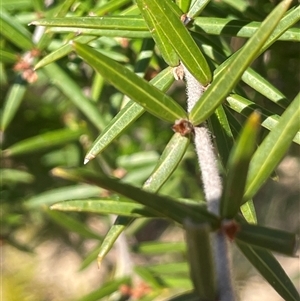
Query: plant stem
{"points": [[212, 186]]}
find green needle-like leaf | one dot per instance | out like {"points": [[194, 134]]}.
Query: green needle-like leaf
{"points": [[62, 51], [111, 236], [273, 148], [9, 176], [8, 56], [103, 32], [126, 23], [43, 141], [72, 90], [229, 27], [104, 206], [158, 203], [158, 247], [111, 6], [12, 102], [72, 224], [167, 163], [165, 167], [221, 129], [168, 21], [290, 18], [12, 30], [184, 5], [105, 290], [61, 11], [126, 117], [166, 50], [237, 168], [271, 270], [250, 77], [197, 8], [152, 99], [247, 107], [261, 85], [61, 194], [249, 213], [229, 75], [267, 238]]}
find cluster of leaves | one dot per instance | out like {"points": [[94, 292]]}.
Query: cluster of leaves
{"points": [[52, 115]]}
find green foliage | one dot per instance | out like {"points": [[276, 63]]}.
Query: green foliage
{"points": [[84, 102]]}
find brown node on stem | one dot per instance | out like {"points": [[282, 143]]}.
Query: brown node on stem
{"points": [[183, 127], [230, 228], [178, 72], [185, 19]]}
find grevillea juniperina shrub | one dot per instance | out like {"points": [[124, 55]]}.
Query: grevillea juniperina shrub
{"points": [[77, 82]]}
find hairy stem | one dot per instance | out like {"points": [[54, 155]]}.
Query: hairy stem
{"points": [[212, 186]]}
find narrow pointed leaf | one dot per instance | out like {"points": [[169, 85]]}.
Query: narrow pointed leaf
{"points": [[271, 270], [64, 8], [60, 11], [89, 258], [249, 213], [111, 6], [166, 50], [220, 126], [21, 4], [268, 238], [43, 141], [126, 117], [168, 21], [106, 289], [230, 74], [12, 102], [69, 88], [158, 247], [158, 203], [111, 236], [104, 206], [250, 77], [121, 23], [247, 107], [237, 167], [284, 24], [9, 176], [61, 194], [290, 18], [13, 31], [103, 32], [167, 163], [165, 167], [184, 5], [62, 51], [169, 268], [8, 56], [273, 148], [144, 57], [197, 8], [239, 28], [152, 99], [264, 87], [72, 224]]}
